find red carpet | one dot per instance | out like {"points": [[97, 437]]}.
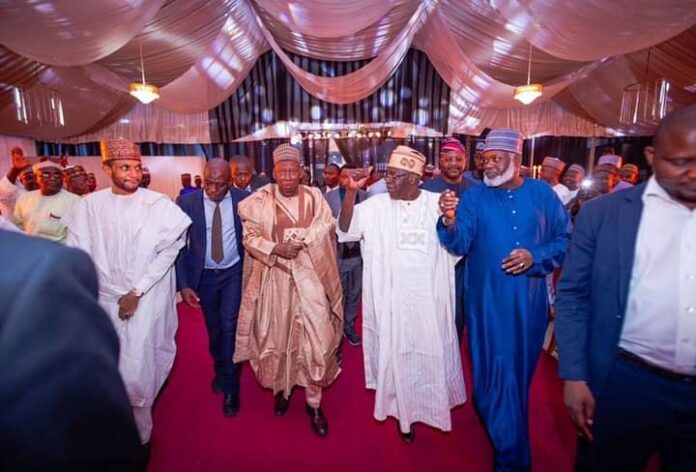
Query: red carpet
{"points": [[191, 434]]}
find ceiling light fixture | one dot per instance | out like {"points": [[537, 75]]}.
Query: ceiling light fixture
{"points": [[645, 102], [530, 92], [144, 92]]}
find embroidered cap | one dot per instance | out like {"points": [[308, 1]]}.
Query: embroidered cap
{"points": [[286, 152], [451, 144], [554, 162], [577, 168], [36, 168], [408, 159], [118, 149], [611, 159], [504, 139]]}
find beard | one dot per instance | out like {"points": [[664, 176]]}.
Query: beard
{"points": [[508, 174]]}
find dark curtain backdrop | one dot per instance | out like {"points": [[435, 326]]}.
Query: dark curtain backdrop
{"points": [[415, 93]]}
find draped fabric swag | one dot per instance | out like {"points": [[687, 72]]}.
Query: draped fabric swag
{"points": [[200, 51]]}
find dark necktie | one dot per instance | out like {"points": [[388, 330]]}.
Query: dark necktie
{"points": [[216, 251]]}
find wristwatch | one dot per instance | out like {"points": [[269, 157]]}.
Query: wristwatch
{"points": [[136, 292]]}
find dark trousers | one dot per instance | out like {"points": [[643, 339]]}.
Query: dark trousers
{"points": [[220, 292], [637, 414], [459, 299], [350, 271]]}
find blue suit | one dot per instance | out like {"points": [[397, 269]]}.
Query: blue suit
{"points": [[638, 410], [593, 289], [219, 290]]}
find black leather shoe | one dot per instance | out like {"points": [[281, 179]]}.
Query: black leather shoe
{"points": [[281, 404], [318, 421], [407, 437], [230, 405], [353, 338], [217, 385]]}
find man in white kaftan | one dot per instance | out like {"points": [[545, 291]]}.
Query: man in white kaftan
{"points": [[411, 349], [134, 236]]}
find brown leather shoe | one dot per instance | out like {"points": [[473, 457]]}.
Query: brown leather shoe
{"points": [[281, 404], [318, 421]]}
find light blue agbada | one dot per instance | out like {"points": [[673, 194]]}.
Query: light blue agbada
{"points": [[506, 315]]}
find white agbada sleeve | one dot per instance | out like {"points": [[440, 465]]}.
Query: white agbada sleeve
{"points": [[161, 265], [76, 220], [171, 238], [9, 193]]}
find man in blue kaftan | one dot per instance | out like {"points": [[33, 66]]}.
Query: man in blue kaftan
{"points": [[514, 231]]}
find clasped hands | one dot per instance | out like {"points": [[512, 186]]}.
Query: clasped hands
{"points": [[288, 249]]}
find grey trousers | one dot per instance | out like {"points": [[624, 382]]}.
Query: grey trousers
{"points": [[350, 271]]}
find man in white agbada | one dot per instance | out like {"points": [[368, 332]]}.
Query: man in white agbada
{"points": [[134, 236], [411, 350]]}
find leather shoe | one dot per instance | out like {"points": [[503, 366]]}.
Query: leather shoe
{"points": [[407, 437], [217, 385], [353, 338], [281, 404], [318, 421], [230, 405]]}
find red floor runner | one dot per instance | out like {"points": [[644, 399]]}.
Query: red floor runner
{"points": [[191, 434]]}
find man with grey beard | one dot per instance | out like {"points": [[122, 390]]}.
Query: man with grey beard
{"points": [[513, 231]]}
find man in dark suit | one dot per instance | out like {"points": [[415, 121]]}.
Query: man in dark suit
{"points": [[349, 259], [244, 176], [626, 315], [63, 403], [209, 271]]}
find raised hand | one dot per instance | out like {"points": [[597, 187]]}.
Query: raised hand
{"points": [[358, 179], [448, 205]]}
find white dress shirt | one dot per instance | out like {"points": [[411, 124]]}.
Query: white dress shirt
{"points": [[660, 324], [229, 236], [562, 192]]}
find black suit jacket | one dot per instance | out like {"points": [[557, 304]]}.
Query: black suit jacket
{"points": [[593, 289], [63, 404], [191, 260]]}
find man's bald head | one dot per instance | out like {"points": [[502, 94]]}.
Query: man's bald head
{"points": [[217, 165], [216, 179], [681, 122], [673, 158]]}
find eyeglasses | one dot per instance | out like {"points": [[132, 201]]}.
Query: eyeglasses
{"points": [[394, 176], [49, 174]]}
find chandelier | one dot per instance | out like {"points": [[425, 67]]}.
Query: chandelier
{"points": [[39, 105], [526, 94], [144, 92], [645, 102]]}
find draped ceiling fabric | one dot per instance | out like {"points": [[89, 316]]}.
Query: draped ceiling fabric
{"points": [[414, 93], [200, 51]]}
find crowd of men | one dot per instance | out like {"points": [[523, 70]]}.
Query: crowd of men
{"points": [[279, 270]]}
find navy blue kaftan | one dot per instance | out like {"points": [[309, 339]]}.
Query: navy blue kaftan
{"points": [[507, 315]]}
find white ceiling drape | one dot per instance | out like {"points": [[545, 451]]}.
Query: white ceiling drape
{"points": [[198, 51]]}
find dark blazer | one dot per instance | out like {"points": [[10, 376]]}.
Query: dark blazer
{"points": [[593, 289], [191, 260], [63, 405]]}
